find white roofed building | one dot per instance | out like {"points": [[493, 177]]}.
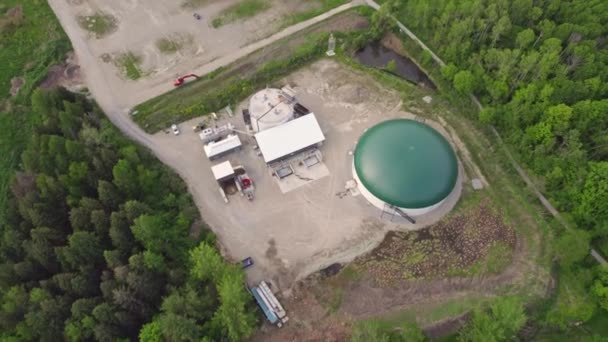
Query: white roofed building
{"points": [[220, 148], [222, 171], [289, 139]]}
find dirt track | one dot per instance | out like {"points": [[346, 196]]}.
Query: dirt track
{"points": [[138, 28], [306, 234], [116, 102]]}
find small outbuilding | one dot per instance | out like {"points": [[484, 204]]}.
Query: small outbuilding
{"points": [[217, 149], [223, 171]]}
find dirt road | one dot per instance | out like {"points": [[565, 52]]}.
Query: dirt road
{"points": [[114, 94], [116, 105], [302, 235]]}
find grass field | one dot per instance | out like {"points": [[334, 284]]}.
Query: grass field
{"points": [[596, 326], [241, 10], [27, 49]]}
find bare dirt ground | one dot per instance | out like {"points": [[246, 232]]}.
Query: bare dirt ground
{"points": [[67, 75], [139, 25], [16, 84], [294, 234], [449, 247], [302, 234], [325, 307]]}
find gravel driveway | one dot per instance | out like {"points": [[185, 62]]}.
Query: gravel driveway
{"points": [[290, 235]]}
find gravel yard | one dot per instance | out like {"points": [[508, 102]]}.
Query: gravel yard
{"points": [[141, 46], [293, 234]]}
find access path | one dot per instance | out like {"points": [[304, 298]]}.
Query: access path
{"points": [[179, 153], [116, 102], [116, 106]]}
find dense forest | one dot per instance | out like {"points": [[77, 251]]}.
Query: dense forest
{"points": [[103, 242], [540, 68]]}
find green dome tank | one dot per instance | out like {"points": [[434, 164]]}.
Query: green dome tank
{"points": [[406, 163]]}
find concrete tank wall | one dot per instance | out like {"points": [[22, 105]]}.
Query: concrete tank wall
{"points": [[380, 204]]}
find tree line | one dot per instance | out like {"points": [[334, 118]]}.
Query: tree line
{"points": [[540, 68], [500, 322], [97, 243]]}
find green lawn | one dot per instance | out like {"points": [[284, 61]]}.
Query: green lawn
{"points": [[241, 10], [425, 315], [27, 49]]}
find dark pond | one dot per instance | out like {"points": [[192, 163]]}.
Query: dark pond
{"points": [[378, 56]]}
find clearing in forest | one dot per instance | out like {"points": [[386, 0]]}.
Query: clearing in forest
{"points": [[173, 38]]}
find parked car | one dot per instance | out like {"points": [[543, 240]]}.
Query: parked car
{"points": [[175, 129], [247, 262]]}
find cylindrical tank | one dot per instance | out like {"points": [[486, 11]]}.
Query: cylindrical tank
{"points": [[405, 164], [268, 108]]}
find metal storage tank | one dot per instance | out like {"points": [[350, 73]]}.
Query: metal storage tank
{"points": [[270, 107], [405, 164]]}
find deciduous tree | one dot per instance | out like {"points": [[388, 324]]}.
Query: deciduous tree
{"points": [[501, 322], [464, 82]]}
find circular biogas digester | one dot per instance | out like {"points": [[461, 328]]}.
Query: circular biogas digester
{"points": [[405, 164]]}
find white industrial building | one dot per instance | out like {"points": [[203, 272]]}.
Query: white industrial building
{"points": [[293, 142]]}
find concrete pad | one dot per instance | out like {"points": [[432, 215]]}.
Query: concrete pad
{"points": [[301, 176]]}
